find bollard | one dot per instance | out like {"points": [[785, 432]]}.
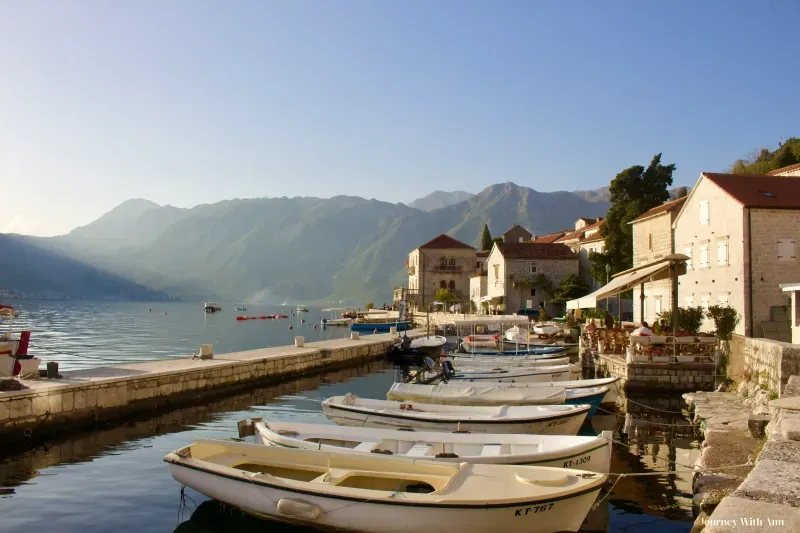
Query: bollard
{"points": [[393, 330], [353, 335], [206, 351], [299, 342], [52, 370]]}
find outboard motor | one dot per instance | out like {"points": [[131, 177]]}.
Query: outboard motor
{"points": [[429, 364], [447, 369]]}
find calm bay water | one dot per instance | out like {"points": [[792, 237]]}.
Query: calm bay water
{"points": [[113, 478]]}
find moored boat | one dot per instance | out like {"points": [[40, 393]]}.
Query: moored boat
{"points": [[378, 494], [302, 309], [506, 362], [338, 316], [509, 349], [380, 327], [612, 383], [212, 307], [589, 453], [351, 410], [458, 393], [540, 373], [431, 345]]}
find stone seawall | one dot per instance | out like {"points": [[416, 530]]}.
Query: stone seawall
{"points": [[763, 362], [678, 377], [85, 397]]}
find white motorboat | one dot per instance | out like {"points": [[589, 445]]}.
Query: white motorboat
{"points": [[378, 494], [212, 307], [612, 383], [469, 394], [589, 453], [337, 316], [350, 410], [547, 329], [302, 309], [433, 344], [539, 373], [499, 363], [460, 357]]}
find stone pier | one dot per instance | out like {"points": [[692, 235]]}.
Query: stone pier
{"points": [[86, 397], [663, 377]]}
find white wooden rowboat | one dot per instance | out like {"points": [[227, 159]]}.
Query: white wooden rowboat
{"points": [[469, 394], [546, 328], [498, 362], [613, 384], [433, 344], [588, 453], [350, 410], [378, 494], [534, 374]]}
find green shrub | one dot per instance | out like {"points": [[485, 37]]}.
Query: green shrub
{"points": [[725, 320], [689, 319]]}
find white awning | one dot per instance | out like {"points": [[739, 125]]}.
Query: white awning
{"points": [[492, 319], [486, 299], [627, 280]]}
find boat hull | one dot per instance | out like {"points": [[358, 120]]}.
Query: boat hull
{"points": [[534, 376], [561, 424], [592, 454], [610, 397], [545, 515], [381, 327]]}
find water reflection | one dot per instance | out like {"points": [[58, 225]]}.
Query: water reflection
{"points": [[23, 462]]}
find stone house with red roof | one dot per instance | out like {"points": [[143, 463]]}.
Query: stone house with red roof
{"points": [[653, 239], [521, 275], [441, 263], [741, 233]]}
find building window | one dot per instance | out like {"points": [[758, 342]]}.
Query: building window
{"points": [[705, 301], [478, 266], [688, 252], [723, 300], [657, 305], [703, 256], [452, 262], [522, 239], [533, 292], [443, 284], [533, 269], [704, 213], [443, 262], [496, 271], [786, 250], [650, 241], [451, 285], [722, 252], [689, 301]]}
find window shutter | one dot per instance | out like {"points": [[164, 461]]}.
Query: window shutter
{"points": [[688, 252], [722, 253]]}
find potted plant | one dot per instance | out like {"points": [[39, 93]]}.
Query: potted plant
{"points": [[725, 319]]}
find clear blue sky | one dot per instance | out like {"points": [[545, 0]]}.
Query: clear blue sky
{"points": [[188, 102]]}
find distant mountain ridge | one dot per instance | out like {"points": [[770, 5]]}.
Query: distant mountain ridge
{"points": [[302, 249], [438, 199]]}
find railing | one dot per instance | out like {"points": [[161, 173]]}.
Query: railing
{"points": [[447, 268]]}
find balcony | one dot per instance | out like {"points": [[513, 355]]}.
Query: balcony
{"points": [[455, 269]]}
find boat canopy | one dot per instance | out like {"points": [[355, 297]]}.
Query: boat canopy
{"points": [[629, 279], [492, 319]]}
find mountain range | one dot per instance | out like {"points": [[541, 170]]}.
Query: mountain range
{"points": [[273, 249]]}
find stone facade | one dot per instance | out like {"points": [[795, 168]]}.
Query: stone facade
{"points": [[652, 241], [505, 279], [517, 234], [431, 269], [709, 217], [651, 377], [86, 402]]}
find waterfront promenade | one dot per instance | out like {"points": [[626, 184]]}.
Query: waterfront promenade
{"points": [[86, 397]]}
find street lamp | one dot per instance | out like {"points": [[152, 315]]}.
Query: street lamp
{"points": [[608, 271]]}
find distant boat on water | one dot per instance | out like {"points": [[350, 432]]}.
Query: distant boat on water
{"points": [[302, 309], [211, 307]]}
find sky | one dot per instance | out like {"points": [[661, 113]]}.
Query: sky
{"points": [[191, 102]]}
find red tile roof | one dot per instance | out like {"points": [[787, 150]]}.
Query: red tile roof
{"points": [[445, 242], [593, 238], [484, 253], [546, 239], [790, 168], [534, 250], [777, 192], [588, 220], [672, 205]]}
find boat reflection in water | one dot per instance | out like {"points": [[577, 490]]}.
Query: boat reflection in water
{"points": [[215, 517]]}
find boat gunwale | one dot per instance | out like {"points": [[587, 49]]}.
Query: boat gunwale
{"points": [[593, 486], [578, 408]]}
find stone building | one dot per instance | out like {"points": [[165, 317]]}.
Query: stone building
{"points": [[441, 263], [790, 171], [741, 233], [653, 239], [477, 291], [517, 234], [523, 275]]}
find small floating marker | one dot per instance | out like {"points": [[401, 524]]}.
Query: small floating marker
{"points": [[315, 326], [303, 320], [149, 310], [165, 313], [291, 327], [375, 331]]}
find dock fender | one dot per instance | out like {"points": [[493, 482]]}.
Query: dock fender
{"points": [[299, 509]]}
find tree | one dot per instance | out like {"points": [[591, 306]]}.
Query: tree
{"points": [[486, 238], [570, 288], [681, 192], [785, 158], [633, 191], [763, 161], [444, 296]]}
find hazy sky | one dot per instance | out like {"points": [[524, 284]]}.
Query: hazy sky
{"points": [[188, 102]]}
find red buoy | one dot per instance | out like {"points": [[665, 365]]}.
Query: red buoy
{"points": [[315, 326]]}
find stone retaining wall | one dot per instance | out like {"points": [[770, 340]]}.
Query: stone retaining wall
{"points": [[76, 404], [660, 376], [763, 362]]}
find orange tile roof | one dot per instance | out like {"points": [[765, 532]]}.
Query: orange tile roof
{"points": [[672, 205], [776, 192], [484, 253], [445, 242], [790, 168], [546, 239]]}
